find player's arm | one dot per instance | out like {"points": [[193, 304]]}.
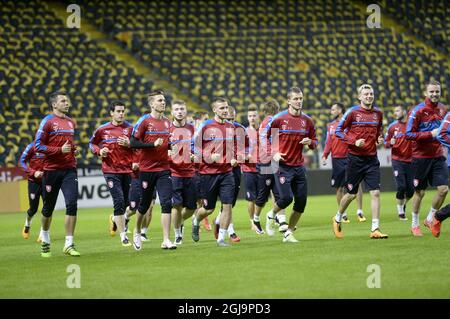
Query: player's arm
{"points": [[412, 129], [343, 125], [312, 137], [94, 143], [444, 131], [388, 137], [25, 158], [138, 136], [41, 140], [327, 149]]}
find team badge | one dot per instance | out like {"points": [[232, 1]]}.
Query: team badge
{"points": [[332, 182], [32, 195], [282, 179], [48, 188], [125, 131], [350, 187], [396, 173], [110, 184], [144, 184], [205, 202], [268, 182], [55, 127], [133, 204], [416, 182]]}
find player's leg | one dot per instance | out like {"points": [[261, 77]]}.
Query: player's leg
{"points": [[69, 188], [338, 181], [283, 180], [354, 176], [421, 168], [226, 195], [34, 191], [401, 184], [263, 186], [51, 183], [189, 204], [439, 179], [300, 190], [164, 189], [438, 218], [148, 184]]}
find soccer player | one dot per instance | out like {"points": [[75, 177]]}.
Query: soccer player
{"points": [[249, 166], [242, 139], [55, 139], [295, 130], [266, 179], [361, 129], [428, 162], [111, 141], [152, 130], [182, 169], [443, 136], [339, 151], [401, 152], [214, 145], [32, 163]]}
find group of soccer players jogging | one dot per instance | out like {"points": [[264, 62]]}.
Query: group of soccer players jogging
{"points": [[191, 168]]}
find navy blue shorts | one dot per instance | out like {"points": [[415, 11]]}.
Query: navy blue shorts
{"points": [[338, 173], [119, 188], [64, 180], [362, 168], [251, 186], [184, 192], [197, 185], [429, 172], [217, 185], [266, 183], [34, 195], [292, 185], [237, 174], [163, 184], [135, 194], [404, 176]]}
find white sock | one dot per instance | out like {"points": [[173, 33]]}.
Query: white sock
{"points": [[69, 241], [400, 209], [177, 232], [27, 222], [217, 220], [281, 218], [270, 214], [430, 214], [415, 220], [194, 221], [144, 230], [359, 212], [45, 236], [123, 235], [256, 218], [230, 229], [222, 233], [287, 233], [338, 217], [375, 224]]}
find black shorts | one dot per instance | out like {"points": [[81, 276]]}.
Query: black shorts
{"points": [[161, 181], [217, 185], [362, 168], [119, 188], [403, 175], [65, 180], [266, 183], [429, 172], [338, 173], [251, 186], [184, 192]]}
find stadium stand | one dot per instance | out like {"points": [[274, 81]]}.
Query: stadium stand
{"points": [[248, 51]]}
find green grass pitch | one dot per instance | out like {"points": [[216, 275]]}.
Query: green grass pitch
{"points": [[319, 266]]}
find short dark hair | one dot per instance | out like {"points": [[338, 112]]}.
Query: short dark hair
{"points": [[292, 90], [252, 108], [341, 106], [53, 97], [270, 107], [180, 102], [431, 82], [218, 99], [154, 93], [113, 104]]}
